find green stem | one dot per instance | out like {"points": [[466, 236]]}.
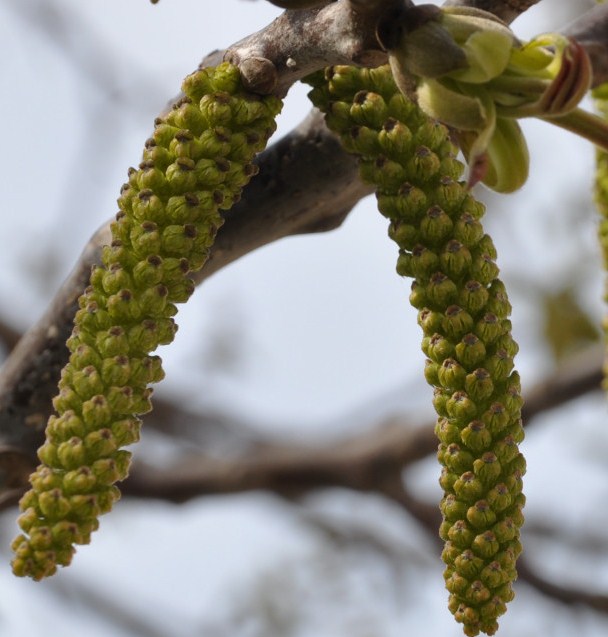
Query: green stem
{"points": [[583, 124]]}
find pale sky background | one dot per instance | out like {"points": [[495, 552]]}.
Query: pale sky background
{"points": [[324, 338]]}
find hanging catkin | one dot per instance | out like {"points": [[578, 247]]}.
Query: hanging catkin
{"points": [[194, 165], [463, 312]]}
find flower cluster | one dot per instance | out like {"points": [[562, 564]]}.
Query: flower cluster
{"points": [[194, 165], [463, 311], [470, 72]]}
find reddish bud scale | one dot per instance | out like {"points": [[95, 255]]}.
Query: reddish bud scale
{"points": [[197, 160], [463, 310]]}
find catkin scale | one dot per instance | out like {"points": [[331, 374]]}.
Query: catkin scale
{"points": [[194, 165], [463, 310]]}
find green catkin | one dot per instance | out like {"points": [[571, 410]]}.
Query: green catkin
{"points": [[601, 201], [463, 311], [194, 165]]}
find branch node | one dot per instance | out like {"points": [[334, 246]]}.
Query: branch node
{"points": [[259, 75]]}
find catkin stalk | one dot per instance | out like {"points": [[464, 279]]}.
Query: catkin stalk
{"points": [[463, 312], [194, 165]]}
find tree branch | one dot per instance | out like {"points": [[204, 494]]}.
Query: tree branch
{"points": [[591, 30], [506, 10], [360, 463]]}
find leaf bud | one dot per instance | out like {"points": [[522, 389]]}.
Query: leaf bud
{"points": [[456, 459], [72, 453], [506, 530], [187, 116], [116, 370], [481, 515], [368, 109], [461, 535], [499, 497], [437, 348], [487, 468], [79, 480], [473, 296], [147, 206], [456, 583], [452, 508], [47, 453], [43, 479], [476, 436], [423, 164], [446, 431], [430, 373], [470, 351], [456, 259], [449, 194], [468, 487], [451, 374], [151, 178], [478, 384], [489, 328], [468, 564], [500, 365], [484, 269], [394, 138], [126, 431], [441, 290], [447, 479], [385, 173], [485, 545], [430, 321], [83, 507], [456, 322], [146, 239], [460, 406], [53, 504], [60, 428], [477, 593], [436, 226]]}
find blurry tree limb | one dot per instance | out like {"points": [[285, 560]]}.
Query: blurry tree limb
{"points": [[9, 337], [361, 463], [565, 594]]}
